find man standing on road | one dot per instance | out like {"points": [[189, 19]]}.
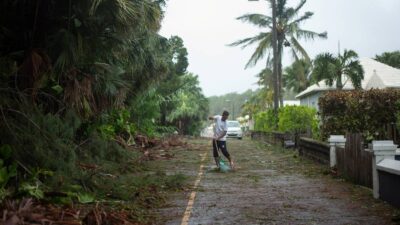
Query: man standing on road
{"points": [[219, 138]]}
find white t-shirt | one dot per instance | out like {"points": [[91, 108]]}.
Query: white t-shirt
{"points": [[219, 127]]}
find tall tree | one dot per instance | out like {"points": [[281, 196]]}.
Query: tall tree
{"points": [[191, 106], [289, 32], [89, 54], [297, 76], [172, 83], [260, 101], [275, 58], [333, 69], [390, 58], [92, 58]]}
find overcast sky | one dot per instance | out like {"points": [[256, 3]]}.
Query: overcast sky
{"points": [[369, 27]]}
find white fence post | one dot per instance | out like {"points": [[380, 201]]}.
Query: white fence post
{"points": [[335, 140], [382, 150]]}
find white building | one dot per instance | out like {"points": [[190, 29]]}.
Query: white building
{"points": [[291, 102], [376, 75]]}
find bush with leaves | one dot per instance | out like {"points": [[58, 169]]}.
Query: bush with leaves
{"points": [[145, 111], [366, 112], [297, 119], [41, 140], [81, 75], [116, 123], [8, 169], [265, 121], [292, 119]]}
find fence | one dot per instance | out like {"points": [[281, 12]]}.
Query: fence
{"points": [[392, 133], [314, 149], [274, 138], [353, 162]]}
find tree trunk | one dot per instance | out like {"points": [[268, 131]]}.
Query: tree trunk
{"points": [[275, 58], [280, 52], [180, 127], [339, 84], [163, 117]]}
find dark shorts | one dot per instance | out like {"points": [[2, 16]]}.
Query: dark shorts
{"points": [[222, 146]]}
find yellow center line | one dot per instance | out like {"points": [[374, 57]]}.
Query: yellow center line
{"points": [[189, 207]]}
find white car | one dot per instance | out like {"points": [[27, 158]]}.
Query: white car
{"points": [[234, 129]]}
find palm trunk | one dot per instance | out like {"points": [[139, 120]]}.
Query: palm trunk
{"points": [[339, 84], [275, 58], [280, 83], [280, 51]]}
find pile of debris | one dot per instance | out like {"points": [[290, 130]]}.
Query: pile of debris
{"points": [[156, 148], [153, 148], [28, 211]]}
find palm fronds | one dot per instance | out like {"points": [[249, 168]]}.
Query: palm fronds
{"points": [[288, 32], [259, 20], [331, 68]]}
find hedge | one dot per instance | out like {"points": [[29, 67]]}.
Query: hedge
{"points": [[292, 119], [359, 111]]}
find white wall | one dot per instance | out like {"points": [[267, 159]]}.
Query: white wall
{"points": [[311, 100]]}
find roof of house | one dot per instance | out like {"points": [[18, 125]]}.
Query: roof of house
{"points": [[376, 75]]}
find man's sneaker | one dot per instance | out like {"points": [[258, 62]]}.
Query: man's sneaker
{"points": [[232, 165]]}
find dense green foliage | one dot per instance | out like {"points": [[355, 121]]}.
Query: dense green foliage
{"points": [[390, 58], [265, 121], [367, 112], [296, 76], [258, 102], [298, 119], [78, 80], [333, 69], [191, 107], [291, 119]]}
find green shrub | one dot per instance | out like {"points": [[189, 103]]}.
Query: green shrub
{"points": [[359, 111], [298, 119], [265, 121], [8, 169], [97, 149], [116, 122], [41, 140], [294, 119], [146, 111]]}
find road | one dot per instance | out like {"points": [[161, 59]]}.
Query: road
{"points": [[269, 186]]}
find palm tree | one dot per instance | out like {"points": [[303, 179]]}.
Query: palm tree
{"points": [[296, 76], [93, 52], [265, 77], [288, 35], [260, 101], [389, 58], [191, 106], [330, 68]]}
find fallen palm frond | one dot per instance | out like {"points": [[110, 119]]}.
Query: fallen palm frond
{"points": [[29, 211]]}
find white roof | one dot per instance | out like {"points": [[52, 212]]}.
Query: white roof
{"points": [[376, 75]]}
